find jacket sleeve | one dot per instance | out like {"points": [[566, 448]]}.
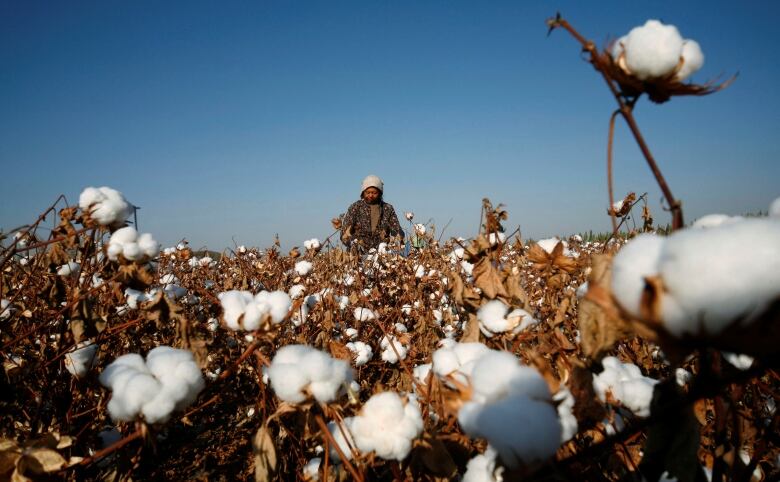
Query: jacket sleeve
{"points": [[347, 224], [393, 226]]}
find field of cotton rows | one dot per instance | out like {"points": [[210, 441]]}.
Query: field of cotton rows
{"points": [[480, 359]]}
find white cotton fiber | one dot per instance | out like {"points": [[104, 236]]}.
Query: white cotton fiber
{"points": [[626, 384], [569, 425], [361, 352], [303, 267], [169, 380], [70, 269], [81, 358], [721, 274], [5, 309], [653, 50], [299, 370], [342, 434], [131, 246], [313, 243], [364, 314], [635, 261], [507, 395], [693, 59], [237, 303], [387, 425], [482, 468], [105, 205], [391, 355], [491, 316], [296, 291]]}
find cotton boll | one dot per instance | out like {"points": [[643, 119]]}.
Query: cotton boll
{"points": [[618, 48], [148, 245], [445, 361], [740, 361], [106, 206], [342, 434], [774, 208], [635, 261], [387, 425], [81, 359], [498, 373], [626, 384], [279, 304], [715, 280], [288, 382], [296, 291], [311, 469], [303, 267], [364, 314], [128, 399], [693, 59], [5, 309], [361, 352], [569, 425], [70, 269], [391, 355], [482, 468], [653, 50], [520, 319], [491, 317]]}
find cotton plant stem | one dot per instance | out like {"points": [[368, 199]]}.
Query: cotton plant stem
{"points": [[326, 433]]}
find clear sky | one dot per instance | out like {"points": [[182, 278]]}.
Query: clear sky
{"points": [[238, 120]]}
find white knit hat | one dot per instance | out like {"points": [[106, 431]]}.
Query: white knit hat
{"points": [[372, 181]]}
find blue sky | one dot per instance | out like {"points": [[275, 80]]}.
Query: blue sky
{"points": [[238, 120]]}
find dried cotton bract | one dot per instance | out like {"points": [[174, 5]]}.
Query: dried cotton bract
{"points": [[168, 380], [108, 207], [242, 310], [132, 247], [300, 371]]}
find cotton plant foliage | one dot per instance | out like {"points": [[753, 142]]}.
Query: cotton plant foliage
{"points": [[152, 389], [298, 372], [108, 207]]}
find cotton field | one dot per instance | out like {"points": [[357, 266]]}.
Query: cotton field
{"points": [[648, 355], [490, 358]]}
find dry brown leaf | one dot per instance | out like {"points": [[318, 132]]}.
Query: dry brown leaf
{"points": [[340, 351], [265, 454], [487, 279], [471, 333]]}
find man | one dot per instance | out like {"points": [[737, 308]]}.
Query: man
{"points": [[370, 220]]}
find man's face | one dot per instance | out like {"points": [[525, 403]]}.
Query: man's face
{"points": [[371, 195]]}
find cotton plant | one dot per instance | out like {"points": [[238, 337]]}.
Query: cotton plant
{"points": [[387, 425], [657, 51], [624, 383], [495, 317], [299, 372], [127, 243], [704, 279], [503, 394], [241, 310], [106, 206], [168, 380]]}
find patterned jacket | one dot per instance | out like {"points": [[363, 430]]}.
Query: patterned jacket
{"points": [[357, 222]]}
